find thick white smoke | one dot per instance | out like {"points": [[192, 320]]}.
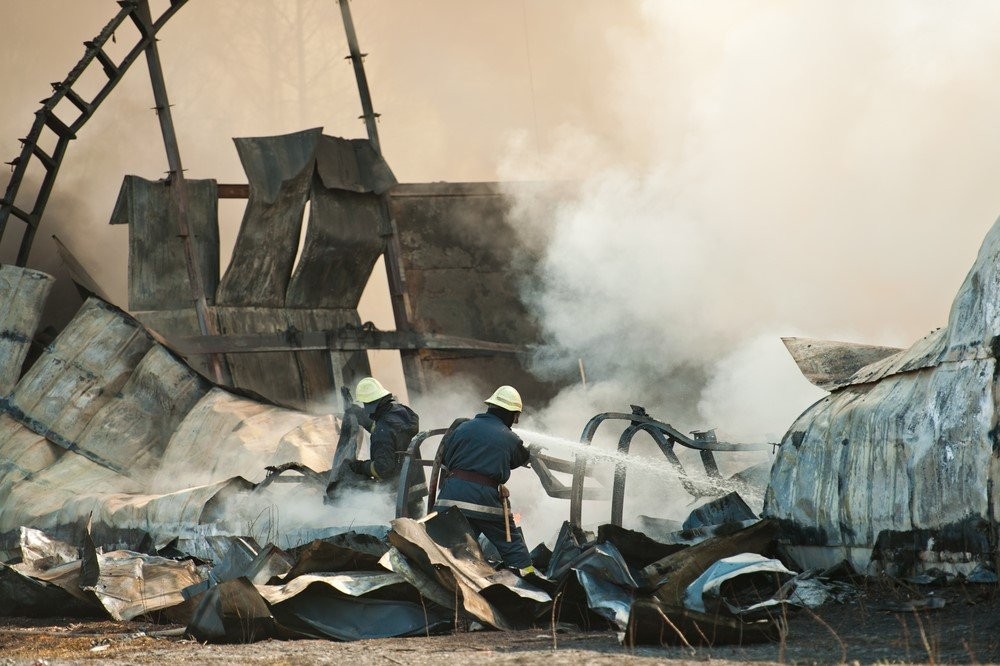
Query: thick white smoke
{"points": [[774, 169]]}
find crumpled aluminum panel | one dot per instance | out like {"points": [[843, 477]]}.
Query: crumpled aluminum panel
{"points": [[453, 558], [353, 584], [246, 436], [902, 460], [132, 584]]}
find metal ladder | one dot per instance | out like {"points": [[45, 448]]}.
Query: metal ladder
{"points": [[66, 129]]}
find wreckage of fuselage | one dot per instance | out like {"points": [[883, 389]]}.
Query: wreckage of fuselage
{"points": [[896, 470]]}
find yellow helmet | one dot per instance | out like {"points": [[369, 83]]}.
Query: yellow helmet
{"points": [[506, 397], [369, 390]]}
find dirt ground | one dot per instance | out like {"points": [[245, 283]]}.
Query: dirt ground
{"points": [[965, 630]]}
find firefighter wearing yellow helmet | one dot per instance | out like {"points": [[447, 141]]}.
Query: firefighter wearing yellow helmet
{"points": [[392, 425], [479, 455]]}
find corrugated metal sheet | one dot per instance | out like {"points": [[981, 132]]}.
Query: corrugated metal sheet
{"points": [[901, 460], [22, 297], [110, 425]]}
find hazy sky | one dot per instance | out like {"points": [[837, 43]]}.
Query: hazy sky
{"points": [[742, 170]]}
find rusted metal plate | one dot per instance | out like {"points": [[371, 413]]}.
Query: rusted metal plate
{"points": [[158, 276], [899, 465], [829, 364], [22, 297], [280, 170]]}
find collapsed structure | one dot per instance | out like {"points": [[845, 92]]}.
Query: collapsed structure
{"points": [[126, 442]]}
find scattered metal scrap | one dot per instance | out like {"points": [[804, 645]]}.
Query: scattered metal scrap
{"points": [[425, 576]]}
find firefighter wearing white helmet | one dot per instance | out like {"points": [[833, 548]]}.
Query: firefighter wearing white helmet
{"points": [[479, 455], [392, 425]]}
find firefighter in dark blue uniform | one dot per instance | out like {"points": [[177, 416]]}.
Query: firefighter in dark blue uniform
{"points": [[479, 455], [392, 425]]}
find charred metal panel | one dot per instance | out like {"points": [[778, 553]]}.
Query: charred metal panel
{"points": [[22, 298], [464, 269], [280, 170], [158, 276], [829, 364], [342, 245], [352, 165], [907, 448], [176, 324]]}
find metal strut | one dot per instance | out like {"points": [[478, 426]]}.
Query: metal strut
{"points": [[402, 313], [66, 128], [178, 187]]}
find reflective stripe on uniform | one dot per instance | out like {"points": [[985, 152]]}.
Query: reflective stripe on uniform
{"points": [[469, 506]]}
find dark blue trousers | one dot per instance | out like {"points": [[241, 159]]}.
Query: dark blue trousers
{"points": [[514, 553]]}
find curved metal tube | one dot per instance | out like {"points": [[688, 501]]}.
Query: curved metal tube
{"points": [[666, 446], [411, 458], [665, 437]]}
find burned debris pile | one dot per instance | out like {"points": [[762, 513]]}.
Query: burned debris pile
{"points": [[127, 476], [424, 576]]}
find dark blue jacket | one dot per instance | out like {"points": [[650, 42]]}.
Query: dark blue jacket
{"points": [[392, 430], [486, 446]]}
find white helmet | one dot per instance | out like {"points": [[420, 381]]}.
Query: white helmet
{"points": [[506, 397], [369, 390]]}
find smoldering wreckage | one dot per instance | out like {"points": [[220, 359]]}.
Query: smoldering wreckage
{"points": [[138, 445]]}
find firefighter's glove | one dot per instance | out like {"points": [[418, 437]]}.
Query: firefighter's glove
{"points": [[504, 493], [360, 467]]}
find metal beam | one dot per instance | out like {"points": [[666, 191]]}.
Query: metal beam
{"points": [[335, 341], [398, 295], [206, 324]]}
